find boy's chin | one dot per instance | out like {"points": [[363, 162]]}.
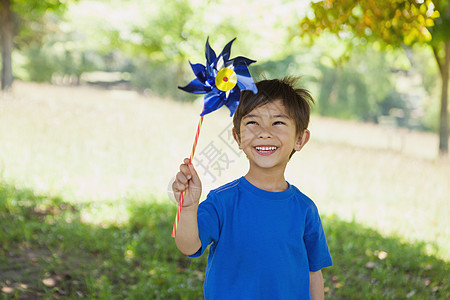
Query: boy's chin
{"points": [[267, 166]]}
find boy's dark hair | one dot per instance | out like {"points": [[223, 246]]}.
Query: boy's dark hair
{"points": [[297, 101]]}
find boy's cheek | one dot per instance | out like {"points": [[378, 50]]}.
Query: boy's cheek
{"points": [[241, 144]]}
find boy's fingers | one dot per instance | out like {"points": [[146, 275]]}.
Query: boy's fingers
{"points": [[185, 170], [176, 190], [181, 178], [178, 187], [195, 177]]}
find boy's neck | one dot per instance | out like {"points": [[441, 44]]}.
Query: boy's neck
{"points": [[268, 181]]}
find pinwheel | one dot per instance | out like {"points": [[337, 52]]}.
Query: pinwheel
{"points": [[221, 80]]}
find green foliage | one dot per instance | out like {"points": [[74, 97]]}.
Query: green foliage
{"points": [[388, 24], [34, 7], [48, 251], [43, 63], [40, 66], [431, 115], [158, 77], [275, 68], [171, 20], [175, 30], [394, 22], [35, 19], [441, 29], [33, 22], [343, 94]]}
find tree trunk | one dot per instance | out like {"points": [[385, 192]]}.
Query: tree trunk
{"points": [[7, 43], [443, 127]]}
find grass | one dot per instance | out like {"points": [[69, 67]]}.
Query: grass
{"points": [[47, 251], [86, 174]]}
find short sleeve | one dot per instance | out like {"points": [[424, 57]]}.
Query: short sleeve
{"points": [[315, 241], [208, 221]]}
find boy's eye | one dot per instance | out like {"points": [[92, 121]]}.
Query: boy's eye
{"points": [[279, 123], [251, 122]]}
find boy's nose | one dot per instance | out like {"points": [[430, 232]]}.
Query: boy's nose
{"points": [[264, 133]]}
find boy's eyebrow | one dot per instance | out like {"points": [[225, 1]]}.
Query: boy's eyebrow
{"points": [[250, 116], [273, 116], [281, 116]]}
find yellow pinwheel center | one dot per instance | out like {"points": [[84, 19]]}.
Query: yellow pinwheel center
{"points": [[226, 79]]}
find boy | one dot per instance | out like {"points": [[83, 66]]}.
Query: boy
{"points": [[267, 240]]}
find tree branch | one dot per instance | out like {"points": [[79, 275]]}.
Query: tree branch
{"points": [[438, 59]]}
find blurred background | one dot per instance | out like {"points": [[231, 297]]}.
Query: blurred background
{"points": [[93, 129]]}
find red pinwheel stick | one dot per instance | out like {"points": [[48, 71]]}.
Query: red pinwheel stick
{"points": [[180, 203]]}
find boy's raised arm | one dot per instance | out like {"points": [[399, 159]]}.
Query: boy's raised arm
{"points": [[188, 181]]}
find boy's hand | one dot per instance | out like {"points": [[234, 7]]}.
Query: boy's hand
{"points": [[187, 180]]}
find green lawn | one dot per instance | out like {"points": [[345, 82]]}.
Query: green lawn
{"points": [[48, 252]]}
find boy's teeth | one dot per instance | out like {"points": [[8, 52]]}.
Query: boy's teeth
{"points": [[266, 148]]}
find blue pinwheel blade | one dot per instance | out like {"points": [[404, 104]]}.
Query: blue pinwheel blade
{"points": [[213, 101], [209, 53], [199, 71], [226, 52], [233, 100], [247, 83], [195, 87], [244, 79], [241, 60]]}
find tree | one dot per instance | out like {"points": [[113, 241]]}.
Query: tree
{"points": [[7, 43], [395, 23], [16, 16]]}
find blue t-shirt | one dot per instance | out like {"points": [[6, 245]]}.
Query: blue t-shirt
{"points": [[263, 244]]}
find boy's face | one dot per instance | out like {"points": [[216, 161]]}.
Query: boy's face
{"points": [[268, 136]]}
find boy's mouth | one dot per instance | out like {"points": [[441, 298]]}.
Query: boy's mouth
{"points": [[266, 150]]}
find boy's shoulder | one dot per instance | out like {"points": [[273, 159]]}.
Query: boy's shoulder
{"points": [[226, 188], [223, 194], [303, 198]]}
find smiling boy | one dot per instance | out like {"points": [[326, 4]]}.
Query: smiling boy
{"points": [[266, 237]]}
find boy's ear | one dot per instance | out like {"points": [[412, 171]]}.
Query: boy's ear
{"points": [[236, 138], [302, 140]]}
